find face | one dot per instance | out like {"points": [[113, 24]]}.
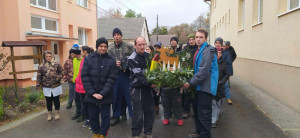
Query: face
{"points": [[155, 48], [173, 43], [218, 44], [140, 45], [192, 41], [72, 55], [117, 38], [48, 57], [227, 47], [148, 50], [200, 38], [219, 54], [84, 53], [102, 48]]}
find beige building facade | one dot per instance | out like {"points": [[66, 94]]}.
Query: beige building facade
{"points": [[265, 35], [60, 23]]}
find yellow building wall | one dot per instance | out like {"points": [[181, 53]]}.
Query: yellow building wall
{"points": [[268, 52]]}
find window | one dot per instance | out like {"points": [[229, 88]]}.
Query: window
{"points": [[42, 24], [257, 11], [292, 4], [44, 4], [82, 36], [241, 14], [83, 3]]}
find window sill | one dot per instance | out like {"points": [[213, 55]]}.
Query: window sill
{"points": [[43, 31], [287, 12], [241, 30], [256, 24], [43, 8], [84, 7]]}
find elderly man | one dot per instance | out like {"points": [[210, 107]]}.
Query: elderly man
{"points": [[141, 92]]}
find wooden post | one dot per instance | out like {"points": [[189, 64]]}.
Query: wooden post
{"points": [[15, 75]]}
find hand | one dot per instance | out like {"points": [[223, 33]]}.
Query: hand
{"points": [[98, 96], [118, 63], [153, 86], [186, 85]]}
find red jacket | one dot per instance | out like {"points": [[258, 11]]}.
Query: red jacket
{"points": [[79, 87]]}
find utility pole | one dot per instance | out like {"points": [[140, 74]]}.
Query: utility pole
{"points": [[157, 27]]}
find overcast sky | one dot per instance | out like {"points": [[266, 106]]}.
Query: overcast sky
{"points": [[170, 12]]}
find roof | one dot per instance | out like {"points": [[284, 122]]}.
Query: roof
{"points": [[164, 39], [23, 43], [130, 27]]}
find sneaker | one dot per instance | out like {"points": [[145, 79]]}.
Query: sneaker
{"points": [[75, 116], [166, 122], [213, 125], [114, 121], [229, 101], [69, 106], [180, 122], [86, 124], [90, 128], [193, 136], [185, 115]]}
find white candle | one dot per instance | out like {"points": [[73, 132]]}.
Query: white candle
{"points": [[174, 66], [168, 67], [164, 66], [179, 65]]}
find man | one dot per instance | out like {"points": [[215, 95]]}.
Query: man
{"points": [[231, 50], [228, 60], [186, 96], [206, 81], [174, 43], [98, 75], [120, 51], [157, 45], [141, 92]]}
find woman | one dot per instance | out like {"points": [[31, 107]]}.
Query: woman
{"points": [[86, 50], [49, 78]]}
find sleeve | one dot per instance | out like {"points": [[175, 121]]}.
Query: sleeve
{"points": [[226, 75], [86, 79], [233, 54], [66, 69], [39, 77], [112, 77], [203, 69], [137, 73], [59, 72]]}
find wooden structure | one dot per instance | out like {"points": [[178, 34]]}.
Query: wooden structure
{"points": [[165, 58], [13, 58]]}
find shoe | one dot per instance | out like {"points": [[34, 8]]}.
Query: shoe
{"points": [[86, 124], [80, 118], [229, 101], [180, 122], [149, 136], [90, 128], [96, 135], [75, 116], [57, 115], [193, 136], [213, 125], [69, 106], [101, 136], [124, 117], [166, 122], [185, 115], [114, 121], [49, 118]]}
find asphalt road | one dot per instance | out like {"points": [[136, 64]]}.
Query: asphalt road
{"points": [[241, 120]]}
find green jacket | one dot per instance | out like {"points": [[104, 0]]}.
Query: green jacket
{"points": [[76, 66]]}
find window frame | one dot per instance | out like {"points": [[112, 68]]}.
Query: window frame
{"points": [[289, 5], [81, 3], [43, 22], [84, 36], [42, 7]]}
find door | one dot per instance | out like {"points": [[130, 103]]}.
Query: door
{"points": [[55, 50]]}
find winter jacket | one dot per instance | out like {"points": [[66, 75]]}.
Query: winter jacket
{"points": [[223, 77], [192, 49], [227, 57], [98, 75], [78, 82], [68, 70], [76, 65], [49, 74], [232, 53], [120, 51], [206, 70]]}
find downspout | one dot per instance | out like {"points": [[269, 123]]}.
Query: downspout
{"points": [[208, 20]]}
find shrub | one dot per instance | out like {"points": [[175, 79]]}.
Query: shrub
{"points": [[1, 107], [32, 97]]}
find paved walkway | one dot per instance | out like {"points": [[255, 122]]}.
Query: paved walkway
{"points": [[242, 119]]}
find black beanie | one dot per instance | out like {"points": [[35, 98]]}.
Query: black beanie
{"points": [[117, 30], [227, 43], [76, 49], [220, 40], [174, 38], [100, 41]]}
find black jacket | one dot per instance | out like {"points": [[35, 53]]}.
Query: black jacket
{"points": [[223, 77], [232, 53], [192, 49], [98, 75], [137, 65]]}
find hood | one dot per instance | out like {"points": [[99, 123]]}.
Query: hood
{"points": [[44, 57]]}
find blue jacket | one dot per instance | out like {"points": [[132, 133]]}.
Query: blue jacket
{"points": [[227, 57], [206, 70]]}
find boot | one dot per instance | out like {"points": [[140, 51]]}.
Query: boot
{"points": [[75, 116], [101, 136], [96, 135], [69, 106], [49, 116], [81, 118], [57, 115]]}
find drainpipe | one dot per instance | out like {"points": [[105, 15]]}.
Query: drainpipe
{"points": [[208, 20]]}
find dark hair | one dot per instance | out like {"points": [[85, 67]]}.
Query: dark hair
{"points": [[201, 30], [152, 48], [87, 49]]}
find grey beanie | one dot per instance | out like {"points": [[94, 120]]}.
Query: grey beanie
{"points": [[219, 39]]}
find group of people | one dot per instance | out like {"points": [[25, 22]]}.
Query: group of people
{"points": [[113, 77]]}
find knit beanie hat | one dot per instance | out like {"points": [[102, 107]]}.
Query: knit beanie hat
{"points": [[191, 36], [227, 43], [100, 41], [174, 38], [158, 43], [219, 49], [219, 39], [76, 49], [117, 30]]}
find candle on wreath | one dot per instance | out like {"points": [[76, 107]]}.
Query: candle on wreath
{"points": [[174, 66], [168, 67]]}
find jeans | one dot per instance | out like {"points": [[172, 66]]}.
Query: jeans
{"points": [[51, 99], [171, 100], [84, 106], [216, 108], [94, 111], [78, 104], [227, 92], [71, 92]]}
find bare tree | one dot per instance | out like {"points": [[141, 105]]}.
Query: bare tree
{"points": [[181, 31], [111, 13], [201, 22]]}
